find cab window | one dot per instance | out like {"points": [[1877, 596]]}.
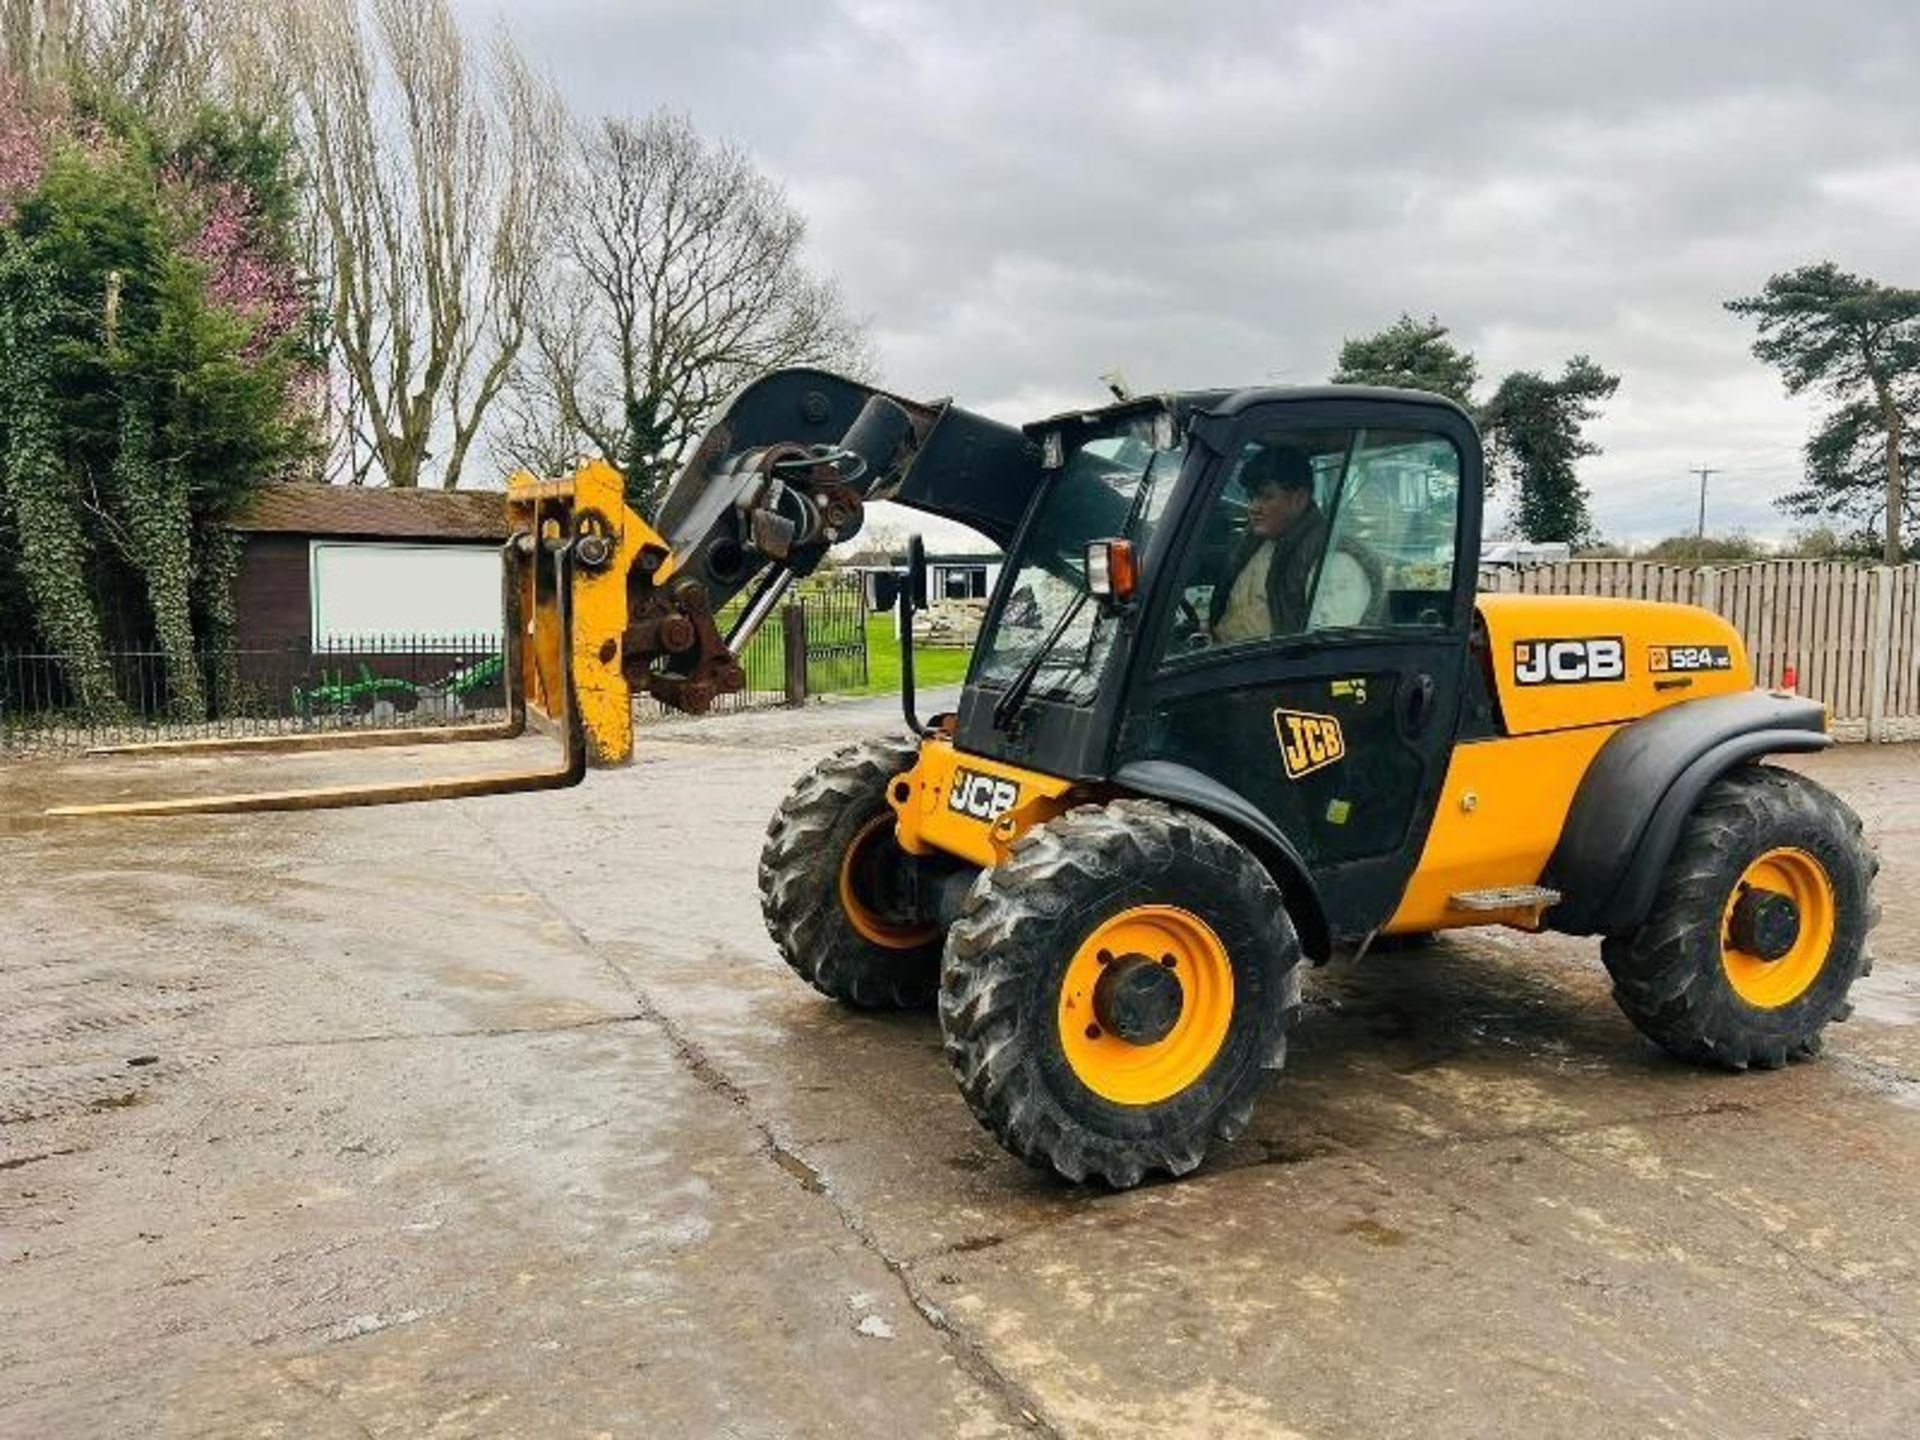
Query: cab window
{"points": [[1323, 531]]}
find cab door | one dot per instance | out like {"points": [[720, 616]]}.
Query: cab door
{"points": [[1336, 720]]}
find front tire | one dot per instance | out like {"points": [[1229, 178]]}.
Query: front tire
{"points": [[826, 884], [1116, 992], [1759, 927]]}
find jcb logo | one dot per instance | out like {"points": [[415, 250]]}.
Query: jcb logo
{"points": [[984, 797], [1307, 742], [1569, 662]]}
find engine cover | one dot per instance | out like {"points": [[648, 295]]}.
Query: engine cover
{"points": [[1561, 661]]}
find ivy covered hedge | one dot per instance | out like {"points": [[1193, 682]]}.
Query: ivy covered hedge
{"points": [[158, 361]]}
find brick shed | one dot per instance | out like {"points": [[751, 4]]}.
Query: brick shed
{"points": [[329, 563]]}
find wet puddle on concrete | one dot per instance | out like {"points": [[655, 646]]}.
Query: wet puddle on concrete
{"points": [[1888, 997]]}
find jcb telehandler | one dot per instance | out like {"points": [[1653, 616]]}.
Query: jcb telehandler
{"points": [[1234, 704]]}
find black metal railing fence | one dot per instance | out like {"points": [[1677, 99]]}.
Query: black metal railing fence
{"points": [[405, 680], [836, 632], [384, 682]]}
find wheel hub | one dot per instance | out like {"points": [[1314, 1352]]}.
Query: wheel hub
{"points": [[1138, 998], [1779, 927], [1764, 923], [1136, 1037], [871, 886]]}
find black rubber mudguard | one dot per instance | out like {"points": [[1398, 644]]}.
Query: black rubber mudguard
{"points": [[1637, 794], [1183, 786]]}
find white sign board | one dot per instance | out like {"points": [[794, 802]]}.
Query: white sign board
{"points": [[372, 593]]}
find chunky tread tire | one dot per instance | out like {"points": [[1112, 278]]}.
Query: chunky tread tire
{"points": [[1667, 975], [800, 882], [1021, 925]]}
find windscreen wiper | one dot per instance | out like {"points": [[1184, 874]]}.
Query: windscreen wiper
{"points": [[1016, 695]]}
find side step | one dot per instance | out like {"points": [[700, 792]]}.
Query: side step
{"points": [[1507, 897]]}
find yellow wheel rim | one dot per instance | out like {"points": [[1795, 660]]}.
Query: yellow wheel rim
{"points": [[868, 922], [1129, 1073], [1769, 984]]}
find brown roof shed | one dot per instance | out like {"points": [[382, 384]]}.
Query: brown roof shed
{"points": [[376, 513], [273, 591]]}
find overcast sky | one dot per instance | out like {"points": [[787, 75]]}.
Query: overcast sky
{"points": [[1018, 197]]}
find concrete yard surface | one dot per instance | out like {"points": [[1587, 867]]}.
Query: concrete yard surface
{"points": [[503, 1117]]}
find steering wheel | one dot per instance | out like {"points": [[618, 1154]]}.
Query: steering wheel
{"points": [[1198, 637]]}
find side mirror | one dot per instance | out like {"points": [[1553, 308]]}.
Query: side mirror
{"points": [[917, 572], [1111, 573]]}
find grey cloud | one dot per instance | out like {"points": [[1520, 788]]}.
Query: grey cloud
{"points": [[1020, 197]]}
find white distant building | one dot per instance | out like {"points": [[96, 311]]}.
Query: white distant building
{"points": [[1511, 554], [949, 577]]}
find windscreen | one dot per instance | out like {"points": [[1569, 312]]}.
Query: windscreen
{"points": [[1113, 485]]}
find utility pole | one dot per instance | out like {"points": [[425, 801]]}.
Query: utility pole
{"points": [[1702, 471]]}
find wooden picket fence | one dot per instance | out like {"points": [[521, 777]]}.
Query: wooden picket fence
{"points": [[1851, 633]]}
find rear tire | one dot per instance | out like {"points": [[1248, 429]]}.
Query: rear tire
{"points": [[1014, 1002], [821, 888], [1683, 977]]}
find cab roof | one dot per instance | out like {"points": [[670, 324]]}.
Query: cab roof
{"points": [[1231, 402]]}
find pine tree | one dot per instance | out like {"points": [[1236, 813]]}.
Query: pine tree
{"points": [[1858, 342], [1535, 427], [1410, 354]]}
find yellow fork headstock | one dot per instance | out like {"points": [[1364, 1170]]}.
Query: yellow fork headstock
{"points": [[615, 551]]}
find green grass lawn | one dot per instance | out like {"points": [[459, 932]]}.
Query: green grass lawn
{"points": [[931, 667], [834, 625]]}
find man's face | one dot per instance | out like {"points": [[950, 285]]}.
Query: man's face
{"points": [[1272, 509]]}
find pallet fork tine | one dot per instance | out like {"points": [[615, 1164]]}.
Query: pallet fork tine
{"points": [[511, 728], [522, 553]]}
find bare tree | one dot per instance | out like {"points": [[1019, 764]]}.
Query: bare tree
{"points": [[164, 57], [429, 169], [36, 39], [682, 278]]}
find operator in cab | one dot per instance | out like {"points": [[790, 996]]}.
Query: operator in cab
{"points": [[1269, 575]]}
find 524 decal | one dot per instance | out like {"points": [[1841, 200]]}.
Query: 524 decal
{"points": [[1685, 659], [1307, 742], [984, 797], [1570, 662]]}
